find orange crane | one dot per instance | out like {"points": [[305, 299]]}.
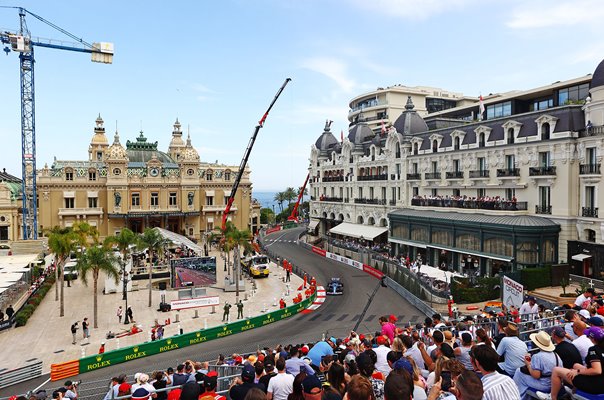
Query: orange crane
{"points": [[294, 215], [246, 155]]}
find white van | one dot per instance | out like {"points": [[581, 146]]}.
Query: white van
{"points": [[70, 271]]}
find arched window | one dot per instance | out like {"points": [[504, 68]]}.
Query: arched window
{"points": [[398, 151], [434, 146], [457, 143], [545, 131], [481, 141], [511, 136]]}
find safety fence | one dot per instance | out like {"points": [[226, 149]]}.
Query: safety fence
{"points": [[31, 370]]}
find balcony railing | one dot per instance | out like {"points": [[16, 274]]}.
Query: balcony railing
{"points": [[542, 171], [481, 173], [506, 205], [392, 202], [543, 210], [591, 212], [370, 201], [455, 175], [592, 131], [382, 177], [81, 211], [333, 179], [334, 199], [414, 177], [505, 172], [432, 175], [586, 169]]}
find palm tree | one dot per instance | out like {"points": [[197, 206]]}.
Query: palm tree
{"points": [[236, 238], [124, 242], [280, 198], [290, 195], [86, 234], [154, 242], [61, 242], [96, 259]]}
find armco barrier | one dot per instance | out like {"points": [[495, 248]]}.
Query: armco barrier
{"points": [[64, 370], [17, 375], [125, 354]]}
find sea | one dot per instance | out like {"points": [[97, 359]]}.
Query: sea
{"points": [[266, 200]]}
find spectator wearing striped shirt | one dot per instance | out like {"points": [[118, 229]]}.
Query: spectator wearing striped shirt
{"points": [[496, 386]]}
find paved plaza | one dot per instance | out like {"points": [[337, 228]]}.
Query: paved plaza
{"points": [[47, 336]]}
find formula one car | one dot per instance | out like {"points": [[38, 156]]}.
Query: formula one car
{"points": [[334, 287]]}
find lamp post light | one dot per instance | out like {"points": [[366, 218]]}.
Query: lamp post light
{"points": [[125, 291]]}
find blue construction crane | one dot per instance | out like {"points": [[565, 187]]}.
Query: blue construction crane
{"points": [[23, 43]]}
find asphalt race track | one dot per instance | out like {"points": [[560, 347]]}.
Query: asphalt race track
{"points": [[337, 316]]}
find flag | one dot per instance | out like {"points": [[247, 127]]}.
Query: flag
{"points": [[383, 128], [481, 109], [342, 136]]}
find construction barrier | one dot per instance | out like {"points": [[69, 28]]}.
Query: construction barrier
{"points": [[64, 370], [146, 349]]}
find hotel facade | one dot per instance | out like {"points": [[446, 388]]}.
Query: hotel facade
{"points": [[512, 185]]}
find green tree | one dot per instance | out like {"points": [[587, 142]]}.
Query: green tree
{"points": [[94, 260], [61, 242], [290, 195], [86, 234], [238, 238], [154, 242], [280, 199], [124, 241], [266, 215]]}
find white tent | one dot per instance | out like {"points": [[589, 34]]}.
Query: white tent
{"points": [[180, 240]]}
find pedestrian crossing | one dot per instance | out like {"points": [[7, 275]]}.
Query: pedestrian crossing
{"points": [[280, 241]]}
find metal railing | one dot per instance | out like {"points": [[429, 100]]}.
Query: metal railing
{"points": [[432, 175], [454, 175], [381, 177], [508, 172], [13, 376], [591, 212], [542, 171], [414, 177], [480, 173], [586, 169], [589, 282], [543, 209], [505, 205]]}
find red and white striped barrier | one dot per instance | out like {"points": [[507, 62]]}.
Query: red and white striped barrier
{"points": [[318, 300]]}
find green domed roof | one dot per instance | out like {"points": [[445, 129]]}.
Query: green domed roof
{"points": [[143, 151]]}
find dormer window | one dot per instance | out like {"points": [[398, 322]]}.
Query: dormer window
{"points": [[545, 129], [398, 151], [415, 149], [481, 140], [511, 136], [456, 143], [434, 146], [99, 156], [69, 175]]}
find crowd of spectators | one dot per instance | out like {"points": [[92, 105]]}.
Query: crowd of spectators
{"points": [[486, 202]]}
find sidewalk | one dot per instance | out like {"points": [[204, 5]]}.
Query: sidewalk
{"points": [[47, 336]]}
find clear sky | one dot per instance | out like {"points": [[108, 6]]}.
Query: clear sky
{"points": [[216, 65]]}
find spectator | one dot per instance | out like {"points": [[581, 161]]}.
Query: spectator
{"points": [[255, 394], [280, 386], [406, 370], [502, 323], [113, 389], [320, 349], [160, 382], [513, 349], [336, 378], [366, 368], [584, 299], [588, 378], [568, 353], [269, 369], [582, 342], [468, 386], [360, 388], [570, 316], [71, 390], [190, 391], [240, 386], [142, 394], [125, 389], [312, 388], [210, 383], [295, 364], [396, 388], [381, 364], [483, 338], [462, 353], [142, 380], [496, 386], [529, 310], [413, 350], [538, 371], [180, 378], [298, 390], [388, 328], [437, 322]]}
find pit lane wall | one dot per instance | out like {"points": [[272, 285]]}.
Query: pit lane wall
{"points": [[126, 354]]}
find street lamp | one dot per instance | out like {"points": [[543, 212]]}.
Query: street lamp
{"points": [[125, 291]]}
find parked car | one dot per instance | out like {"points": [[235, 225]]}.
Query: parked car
{"points": [[335, 287]]}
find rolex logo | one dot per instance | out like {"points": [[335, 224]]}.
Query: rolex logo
{"points": [[224, 329], [99, 358], [169, 341], [198, 334], [247, 322], [268, 316], [135, 349]]}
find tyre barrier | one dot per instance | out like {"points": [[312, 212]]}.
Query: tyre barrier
{"points": [[64, 370]]}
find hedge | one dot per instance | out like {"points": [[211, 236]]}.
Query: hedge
{"points": [[533, 278], [33, 302], [483, 290]]}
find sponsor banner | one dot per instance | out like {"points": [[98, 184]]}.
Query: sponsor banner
{"points": [[512, 293], [205, 301], [126, 354], [273, 230], [344, 260], [319, 251], [372, 271]]}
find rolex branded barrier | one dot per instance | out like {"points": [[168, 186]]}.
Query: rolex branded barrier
{"points": [[125, 354]]}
